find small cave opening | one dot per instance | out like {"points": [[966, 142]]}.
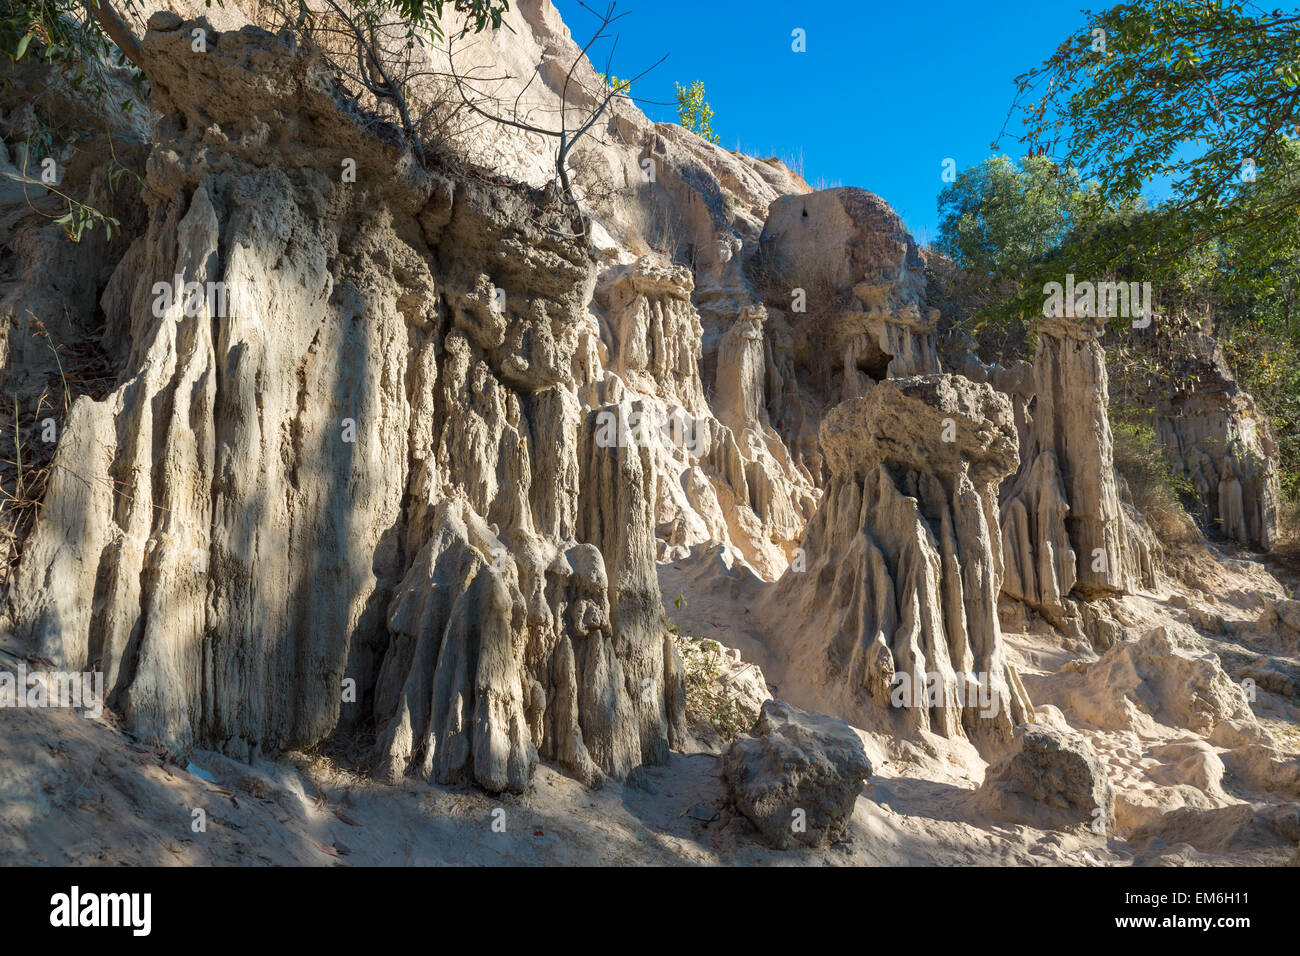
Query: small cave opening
{"points": [[872, 360]]}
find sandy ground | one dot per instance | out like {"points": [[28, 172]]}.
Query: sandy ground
{"points": [[923, 791], [76, 790]]}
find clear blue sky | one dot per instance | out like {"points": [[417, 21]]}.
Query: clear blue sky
{"points": [[884, 93]]}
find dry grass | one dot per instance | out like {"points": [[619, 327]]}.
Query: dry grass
{"points": [[25, 465], [1154, 485], [1286, 553], [1288, 521], [26, 458]]}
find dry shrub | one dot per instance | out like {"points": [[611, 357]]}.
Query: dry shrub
{"points": [[708, 699], [1156, 488]]}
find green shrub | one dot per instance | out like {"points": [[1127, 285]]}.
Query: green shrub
{"points": [[706, 699], [695, 113], [1157, 488]]}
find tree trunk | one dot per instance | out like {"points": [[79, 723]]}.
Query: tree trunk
{"points": [[116, 29]]}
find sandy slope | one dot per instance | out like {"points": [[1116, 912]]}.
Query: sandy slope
{"points": [[927, 786], [75, 790], [78, 791]]}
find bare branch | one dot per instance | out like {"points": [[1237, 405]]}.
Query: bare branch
{"points": [[116, 28], [566, 138]]}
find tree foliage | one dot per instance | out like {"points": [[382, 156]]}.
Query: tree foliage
{"points": [[1014, 227], [62, 33], [695, 113], [1205, 97], [1001, 218], [1202, 93]]}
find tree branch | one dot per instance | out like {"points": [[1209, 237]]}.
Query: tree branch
{"points": [[117, 30]]}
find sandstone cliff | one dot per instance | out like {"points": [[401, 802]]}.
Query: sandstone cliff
{"points": [[405, 463], [358, 479]]}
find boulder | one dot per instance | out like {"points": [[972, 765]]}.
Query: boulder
{"points": [[797, 775], [1053, 779], [1190, 762], [1153, 680]]}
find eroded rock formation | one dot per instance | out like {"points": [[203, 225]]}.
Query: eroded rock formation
{"points": [[892, 624], [347, 467], [842, 273], [1214, 434], [655, 331], [724, 476], [396, 457], [1070, 425], [1068, 537]]}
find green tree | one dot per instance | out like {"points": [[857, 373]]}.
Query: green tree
{"points": [[614, 83], [695, 113], [1004, 225], [1001, 218], [1012, 228], [1203, 94]]}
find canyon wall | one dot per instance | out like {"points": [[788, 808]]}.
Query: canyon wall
{"points": [[357, 478], [399, 452]]}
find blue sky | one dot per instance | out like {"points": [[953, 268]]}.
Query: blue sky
{"points": [[884, 93]]}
